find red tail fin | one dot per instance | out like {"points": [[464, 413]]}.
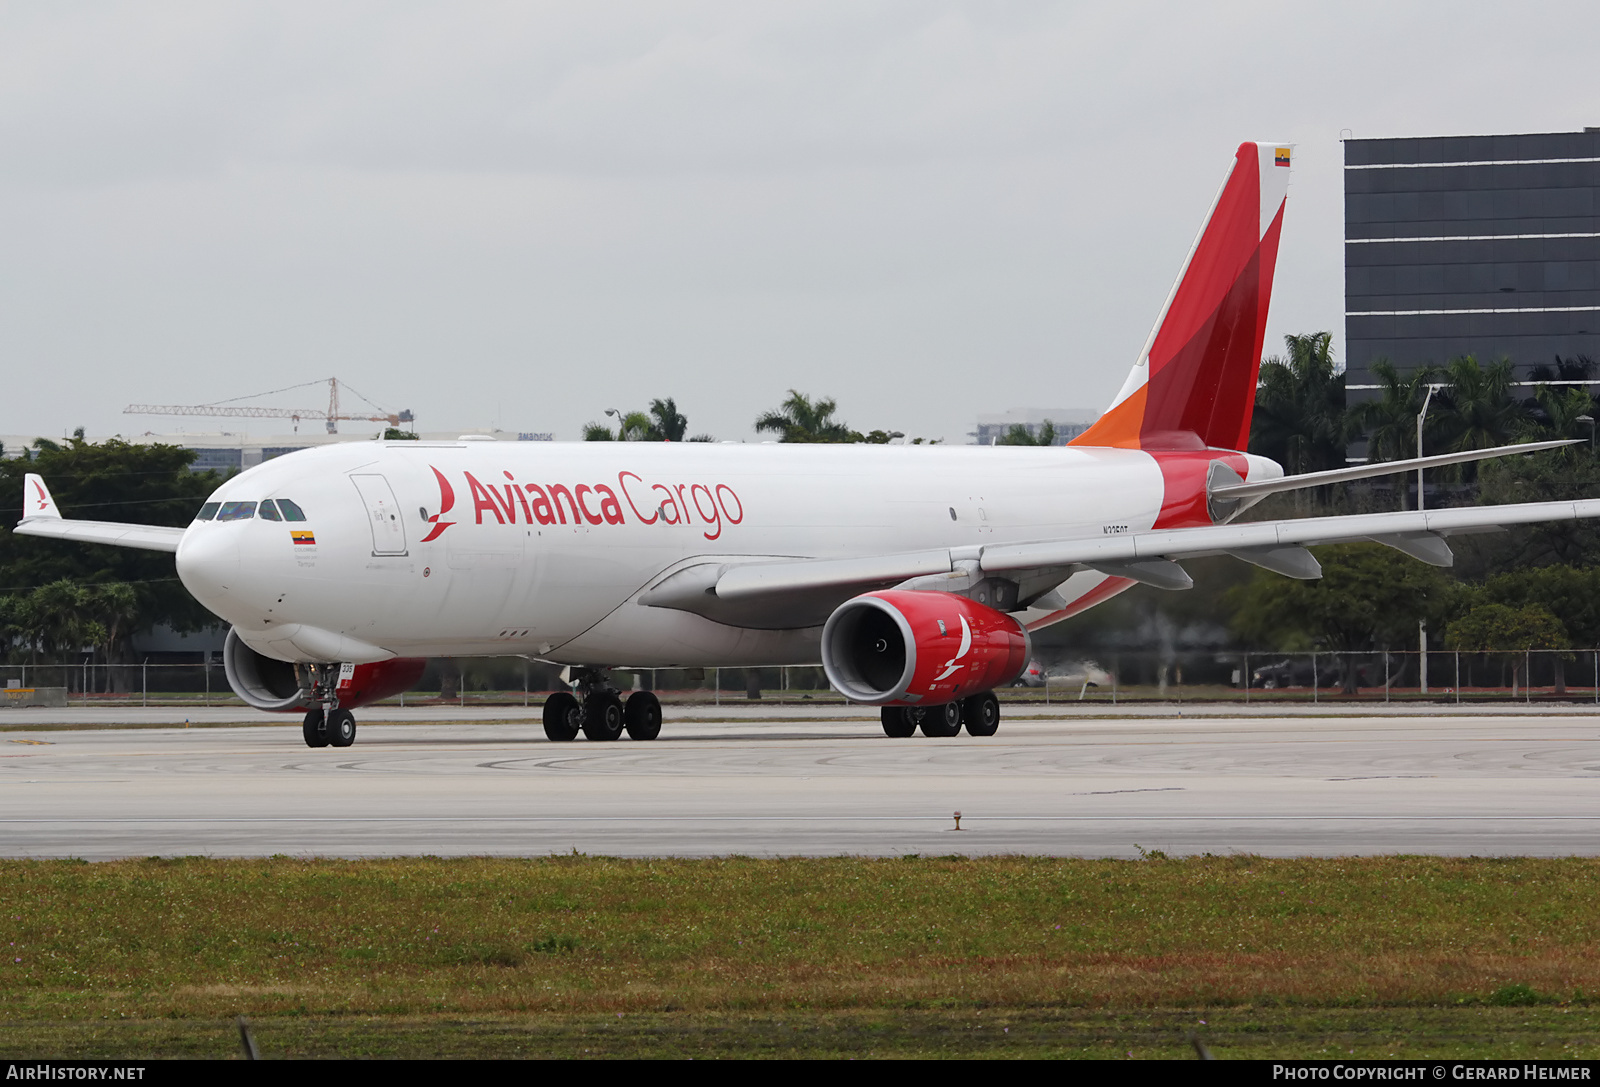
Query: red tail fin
{"points": [[1194, 385]]}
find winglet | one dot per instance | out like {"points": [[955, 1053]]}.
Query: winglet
{"points": [[36, 501]]}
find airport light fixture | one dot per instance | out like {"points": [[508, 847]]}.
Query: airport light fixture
{"points": [[1421, 416]]}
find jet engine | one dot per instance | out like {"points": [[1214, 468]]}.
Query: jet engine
{"points": [[910, 647], [283, 687]]}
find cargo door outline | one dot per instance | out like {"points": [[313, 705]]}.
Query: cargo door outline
{"points": [[383, 514]]}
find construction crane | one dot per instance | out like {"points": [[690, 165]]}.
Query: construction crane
{"points": [[233, 409]]}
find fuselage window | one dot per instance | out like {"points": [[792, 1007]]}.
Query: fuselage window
{"points": [[236, 511], [291, 511], [208, 511], [269, 512]]}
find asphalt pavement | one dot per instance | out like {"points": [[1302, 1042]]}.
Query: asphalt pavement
{"points": [[804, 780]]}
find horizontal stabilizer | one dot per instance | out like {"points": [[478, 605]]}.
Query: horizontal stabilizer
{"points": [[41, 517], [1307, 531], [148, 537], [1227, 489]]}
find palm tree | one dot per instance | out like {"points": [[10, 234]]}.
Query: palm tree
{"points": [[662, 423], [1300, 419], [1559, 411], [1390, 422], [668, 424], [1018, 434], [1477, 410], [799, 419], [1571, 368], [635, 426]]}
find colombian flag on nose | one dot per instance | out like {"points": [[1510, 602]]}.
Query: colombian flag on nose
{"points": [[302, 536]]}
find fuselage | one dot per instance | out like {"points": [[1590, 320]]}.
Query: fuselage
{"points": [[542, 549]]}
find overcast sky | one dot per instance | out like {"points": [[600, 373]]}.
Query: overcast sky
{"points": [[519, 215]]}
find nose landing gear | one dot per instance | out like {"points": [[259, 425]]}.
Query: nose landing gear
{"points": [[601, 715], [327, 725]]}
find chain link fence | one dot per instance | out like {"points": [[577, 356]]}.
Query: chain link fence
{"points": [[1444, 676], [1114, 677]]}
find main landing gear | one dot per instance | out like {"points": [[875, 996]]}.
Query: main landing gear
{"points": [[327, 725], [601, 714], [980, 714]]}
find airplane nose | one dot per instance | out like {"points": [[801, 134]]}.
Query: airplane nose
{"points": [[209, 566]]}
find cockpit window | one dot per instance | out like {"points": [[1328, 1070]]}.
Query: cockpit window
{"points": [[291, 511], [208, 511], [236, 511], [269, 512]]}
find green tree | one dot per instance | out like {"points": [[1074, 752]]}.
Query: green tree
{"points": [[1555, 475], [1476, 407], [662, 423], [800, 419], [668, 424], [1506, 632], [1369, 597], [636, 426], [109, 481], [1017, 434], [1300, 419], [395, 434], [1571, 595], [1556, 413], [1390, 421]]}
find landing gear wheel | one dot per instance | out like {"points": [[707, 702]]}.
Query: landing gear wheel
{"points": [[897, 722], [642, 716], [341, 728], [316, 735], [562, 716], [941, 721], [981, 714], [602, 716]]}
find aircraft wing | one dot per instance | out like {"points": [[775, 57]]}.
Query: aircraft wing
{"points": [[42, 518], [1151, 556]]}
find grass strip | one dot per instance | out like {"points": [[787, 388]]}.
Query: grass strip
{"points": [[390, 957]]}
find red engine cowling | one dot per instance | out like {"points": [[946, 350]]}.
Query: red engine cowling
{"points": [[904, 647], [282, 687]]}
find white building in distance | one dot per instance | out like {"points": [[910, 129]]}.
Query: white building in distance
{"points": [[1069, 423]]}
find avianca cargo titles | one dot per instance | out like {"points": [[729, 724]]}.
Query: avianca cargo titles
{"points": [[708, 506], [915, 574]]}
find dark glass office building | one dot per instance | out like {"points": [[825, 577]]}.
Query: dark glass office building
{"points": [[1471, 245]]}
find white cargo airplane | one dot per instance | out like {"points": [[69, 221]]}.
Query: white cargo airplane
{"points": [[915, 574]]}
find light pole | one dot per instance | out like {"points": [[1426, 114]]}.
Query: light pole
{"points": [[1588, 421], [622, 434], [1421, 416], [1422, 624]]}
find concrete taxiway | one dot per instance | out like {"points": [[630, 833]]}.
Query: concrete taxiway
{"points": [[790, 781]]}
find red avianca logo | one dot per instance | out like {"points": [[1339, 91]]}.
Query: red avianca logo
{"points": [[707, 506], [447, 500]]}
